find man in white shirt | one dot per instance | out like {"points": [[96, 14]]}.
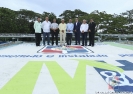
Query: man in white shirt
{"points": [[84, 30], [54, 28], [69, 32], [37, 27], [46, 30]]}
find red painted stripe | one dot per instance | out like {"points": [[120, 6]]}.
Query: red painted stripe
{"points": [[51, 51]]}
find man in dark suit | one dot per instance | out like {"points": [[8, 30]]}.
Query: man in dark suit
{"points": [[77, 32], [92, 26]]}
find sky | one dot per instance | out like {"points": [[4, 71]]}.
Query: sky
{"points": [[58, 6]]}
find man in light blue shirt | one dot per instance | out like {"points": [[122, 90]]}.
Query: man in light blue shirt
{"points": [[69, 32]]}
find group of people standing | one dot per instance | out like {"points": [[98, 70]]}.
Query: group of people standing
{"points": [[65, 31]]}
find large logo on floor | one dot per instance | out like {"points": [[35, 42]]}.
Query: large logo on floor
{"points": [[26, 79], [65, 49]]}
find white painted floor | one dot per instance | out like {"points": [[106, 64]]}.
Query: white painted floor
{"points": [[11, 64]]}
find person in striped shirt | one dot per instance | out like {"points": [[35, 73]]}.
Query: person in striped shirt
{"points": [[55, 32]]}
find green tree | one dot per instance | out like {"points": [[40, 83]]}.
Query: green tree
{"points": [[50, 15], [129, 17], [7, 20], [69, 14]]}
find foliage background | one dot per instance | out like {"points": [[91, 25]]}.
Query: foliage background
{"points": [[22, 21]]}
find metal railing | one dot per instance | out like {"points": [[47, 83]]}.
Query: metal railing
{"points": [[99, 38], [21, 35], [119, 36]]}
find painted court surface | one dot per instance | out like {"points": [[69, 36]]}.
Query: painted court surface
{"points": [[27, 69]]}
